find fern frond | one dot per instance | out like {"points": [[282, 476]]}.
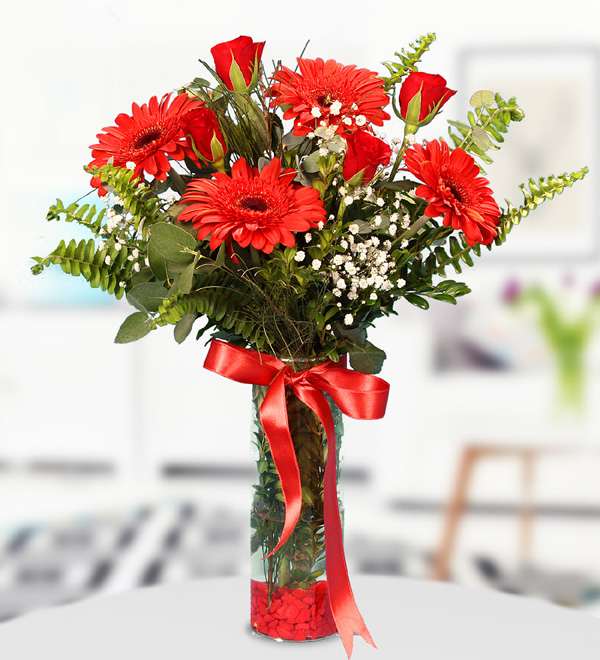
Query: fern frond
{"points": [[85, 215], [83, 259], [144, 207], [408, 60], [535, 193]]}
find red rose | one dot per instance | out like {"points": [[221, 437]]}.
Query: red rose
{"points": [[365, 152], [203, 134], [236, 62], [421, 97]]}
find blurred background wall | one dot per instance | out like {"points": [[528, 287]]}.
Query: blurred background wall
{"points": [[127, 465]]}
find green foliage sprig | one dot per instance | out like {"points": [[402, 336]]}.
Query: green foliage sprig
{"points": [[487, 124], [408, 59]]}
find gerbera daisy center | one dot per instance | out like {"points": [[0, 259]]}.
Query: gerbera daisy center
{"points": [[458, 190], [254, 204], [146, 138], [324, 100]]}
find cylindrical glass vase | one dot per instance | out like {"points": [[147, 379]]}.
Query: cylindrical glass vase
{"points": [[289, 596]]}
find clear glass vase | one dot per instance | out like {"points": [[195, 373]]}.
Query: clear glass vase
{"points": [[289, 595]]}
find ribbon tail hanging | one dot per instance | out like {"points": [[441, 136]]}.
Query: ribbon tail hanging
{"points": [[274, 419], [346, 615]]}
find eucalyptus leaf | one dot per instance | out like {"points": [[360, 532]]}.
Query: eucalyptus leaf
{"points": [[147, 296], [184, 327], [483, 98], [172, 242], [311, 163], [144, 275], [481, 138], [157, 262], [134, 327]]}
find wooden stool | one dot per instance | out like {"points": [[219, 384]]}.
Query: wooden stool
{"points": [[457, 503]]}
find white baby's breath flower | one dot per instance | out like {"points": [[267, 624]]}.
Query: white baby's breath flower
{"points": [[410, 139], [101, 244], [341, 283], [380, 201], [130, 165], [321, 224], [107, 260], [299, 256], [347, 121], [316, 264], [360, 120], [349, 200], [348, 319], [316, 112], [392, 230], [353, 228], [337, 260], [122, 284], [137, 267], [403, 244], [335, 108], [373, 296], [341, 191], [308, 237], [337, 293], [343, 244], [118, 246], [323, 151]]}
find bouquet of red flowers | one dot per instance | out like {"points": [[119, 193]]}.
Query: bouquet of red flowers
{"points": [[271, 207]]}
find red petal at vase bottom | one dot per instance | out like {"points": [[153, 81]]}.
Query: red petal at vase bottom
{"points": [[294, 614]]}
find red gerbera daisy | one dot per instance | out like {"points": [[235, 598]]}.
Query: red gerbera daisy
{"points": [[329, 94], [454, 188], [144, 139], [252, 208]]}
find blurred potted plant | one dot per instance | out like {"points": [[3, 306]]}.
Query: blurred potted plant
{"points": [[567, 320]]}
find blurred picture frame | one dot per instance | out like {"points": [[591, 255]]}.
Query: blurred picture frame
{"points": [[558, 89]]}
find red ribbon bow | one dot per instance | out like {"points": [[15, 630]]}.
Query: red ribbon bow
{"points": [[358, 395]]}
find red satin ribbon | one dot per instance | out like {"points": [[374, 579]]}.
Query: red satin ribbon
{"points": [[358, 395]]}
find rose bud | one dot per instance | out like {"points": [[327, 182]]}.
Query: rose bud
{"points": [[365, 153], [421, 97], [237, 62], [204, 136]]}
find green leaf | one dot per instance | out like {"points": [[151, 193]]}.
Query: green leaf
{"points": [[418, 301], [158, 264], [482, 98], [367, 358], [184, 327], [134, 327], [480, 138], [147, 296], [171, 242]]}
